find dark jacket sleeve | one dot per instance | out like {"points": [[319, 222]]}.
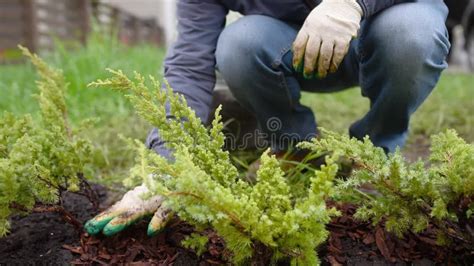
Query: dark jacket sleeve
{"points": [[190, 63], [371, 7]]}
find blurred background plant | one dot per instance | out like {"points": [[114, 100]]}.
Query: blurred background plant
{"points": [[81, 66]]}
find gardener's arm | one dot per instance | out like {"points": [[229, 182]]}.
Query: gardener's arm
{"points": [[190, 64], [190, 70]]}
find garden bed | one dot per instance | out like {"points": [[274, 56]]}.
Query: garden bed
{"points": [[44, 238]]}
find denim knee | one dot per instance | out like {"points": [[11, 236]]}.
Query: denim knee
{"points": [[243, 52], [408, 42]]}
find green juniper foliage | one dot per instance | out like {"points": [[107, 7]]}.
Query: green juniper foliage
{"points": [[408, 196], [196, 242], [202, 185], [37, 159]]}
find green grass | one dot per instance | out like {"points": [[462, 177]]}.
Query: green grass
{"points": [[81, 66]]}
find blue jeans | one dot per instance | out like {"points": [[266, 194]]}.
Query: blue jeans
{"points": [[396, 60]]}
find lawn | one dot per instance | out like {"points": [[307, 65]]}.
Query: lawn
{"points": [[451, 105]]}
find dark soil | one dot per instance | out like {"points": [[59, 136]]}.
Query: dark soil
{"points": [[44, 238], [133, 245], [38, 237], [359, 243]]}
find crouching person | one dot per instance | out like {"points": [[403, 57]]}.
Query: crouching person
{"points": [[394, 50]]}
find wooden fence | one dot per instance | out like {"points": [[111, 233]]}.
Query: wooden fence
{"points": [[37, 23]]}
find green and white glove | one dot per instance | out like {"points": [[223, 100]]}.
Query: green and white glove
{"points": [[324, 39], [131, 208]]}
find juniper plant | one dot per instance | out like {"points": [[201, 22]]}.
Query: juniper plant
{"points": [[39, 160], [409, 196], [202, 186]]}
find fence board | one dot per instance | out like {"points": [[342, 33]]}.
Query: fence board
{"points": [[30, 30], [11, 32], [7, 43], [56, 8], [9, 4], [7, 14]]}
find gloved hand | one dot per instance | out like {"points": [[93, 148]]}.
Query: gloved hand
{"points": [[324, 39], [127, 211]]}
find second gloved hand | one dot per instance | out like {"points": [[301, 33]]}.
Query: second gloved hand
{"points": [[324, 38], [131, 208]]}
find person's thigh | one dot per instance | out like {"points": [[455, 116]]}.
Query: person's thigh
{"points": [[248, 55]]}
